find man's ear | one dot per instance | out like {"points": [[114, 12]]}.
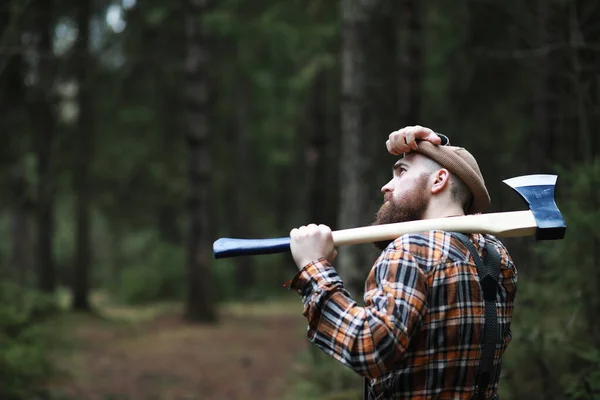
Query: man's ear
{"points": [[442, 179]]}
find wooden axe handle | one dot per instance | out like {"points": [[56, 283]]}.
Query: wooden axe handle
{"points": [[505, 224]]}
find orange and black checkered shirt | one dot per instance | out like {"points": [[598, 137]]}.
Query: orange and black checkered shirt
{"points": [[419, 333]]}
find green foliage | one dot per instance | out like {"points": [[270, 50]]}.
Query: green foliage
{"points": [[158, 272], [270, 275], [555, 347], [24, 343], [320, 377], [585, 384]]}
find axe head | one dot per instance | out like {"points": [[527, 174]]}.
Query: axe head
{"points": [[538, 192]]}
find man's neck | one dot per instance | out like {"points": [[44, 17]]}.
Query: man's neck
{"points": [[443, 211]]}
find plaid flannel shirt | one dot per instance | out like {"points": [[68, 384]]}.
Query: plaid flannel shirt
{"points": [[419, 333]]}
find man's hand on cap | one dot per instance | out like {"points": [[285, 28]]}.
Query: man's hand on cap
{"points": [[405, 139]]}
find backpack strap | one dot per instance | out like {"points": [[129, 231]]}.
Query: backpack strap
{"points": [[489, 272]]}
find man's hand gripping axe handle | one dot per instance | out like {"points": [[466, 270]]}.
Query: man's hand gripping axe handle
{"points": [[543, 219]]}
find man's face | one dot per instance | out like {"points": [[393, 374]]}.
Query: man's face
{"points": [[406, 195]]}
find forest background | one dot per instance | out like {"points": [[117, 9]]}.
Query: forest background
{"points": [[135, 133]]}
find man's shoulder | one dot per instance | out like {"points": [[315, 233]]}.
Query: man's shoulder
{"points": [[501, 248], [428, 248], [434, 247]]}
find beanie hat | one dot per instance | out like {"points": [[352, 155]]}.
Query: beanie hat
{"points": [[460, 162]]}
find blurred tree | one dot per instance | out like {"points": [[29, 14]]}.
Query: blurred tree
{"points": [[544, 107], [583, 39], [241, 184], [411, 64], [321, 172], [322, 120], [166, 41], [396, 52], [13, 122], [20, 259], [200, 303], [369, 110], [42, 106], [83, 147], [352, 159]]}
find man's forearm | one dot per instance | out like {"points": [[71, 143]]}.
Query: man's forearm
{"points": [[366, 339]]}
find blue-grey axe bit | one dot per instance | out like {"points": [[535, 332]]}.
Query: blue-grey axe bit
{"points": [[543, 219]]}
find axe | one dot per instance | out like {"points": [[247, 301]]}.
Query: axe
{"points": [[543, 219]]}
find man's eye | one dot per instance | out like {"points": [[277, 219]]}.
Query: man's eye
{"points": [[399, 170]]}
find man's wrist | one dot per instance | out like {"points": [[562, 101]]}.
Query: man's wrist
{"points": [[305, 262], [311, 275]]}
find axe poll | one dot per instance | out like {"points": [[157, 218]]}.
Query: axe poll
{"points": [[543, 219]]}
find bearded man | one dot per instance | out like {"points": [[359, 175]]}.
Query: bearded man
{"points": [[419, 334]]}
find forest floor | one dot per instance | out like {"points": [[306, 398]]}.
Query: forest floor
{"points": [[151, 353]]}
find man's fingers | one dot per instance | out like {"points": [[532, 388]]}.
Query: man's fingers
{"points": [[423, 133], [410, 139], [391, 148], [298, 232], [397, 143], [419, 131], [333, 255], [388, 146], [312, 229], [324, 229], [433, 138], [406, 139]]}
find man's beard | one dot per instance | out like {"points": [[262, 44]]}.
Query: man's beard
{"points": [[411, 208]]}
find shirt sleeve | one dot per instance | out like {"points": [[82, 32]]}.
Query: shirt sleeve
{"points": [[372, 338]]}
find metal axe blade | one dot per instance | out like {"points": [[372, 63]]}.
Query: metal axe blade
{"points": [[538, 192]]}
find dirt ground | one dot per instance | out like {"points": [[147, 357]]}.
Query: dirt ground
{"points": [[129, 355]]}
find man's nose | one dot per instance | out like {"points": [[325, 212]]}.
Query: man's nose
{"points": [[386, 188]]}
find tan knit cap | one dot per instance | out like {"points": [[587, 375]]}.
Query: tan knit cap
{"points": [[460, 162]]}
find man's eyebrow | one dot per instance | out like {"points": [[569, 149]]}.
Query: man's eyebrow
{"points": [[400, 164]]}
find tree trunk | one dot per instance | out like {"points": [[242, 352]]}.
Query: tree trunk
{"points": [[19, 228], [412, 63], [168, 209], [538, 157], [591, 59], [200, 303], [44, 119], [12, 101], [383, 112], [169, 38], [352, 157], [244, 266], [580, 84], [84, 153], [398, 57], [320, 177]]}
